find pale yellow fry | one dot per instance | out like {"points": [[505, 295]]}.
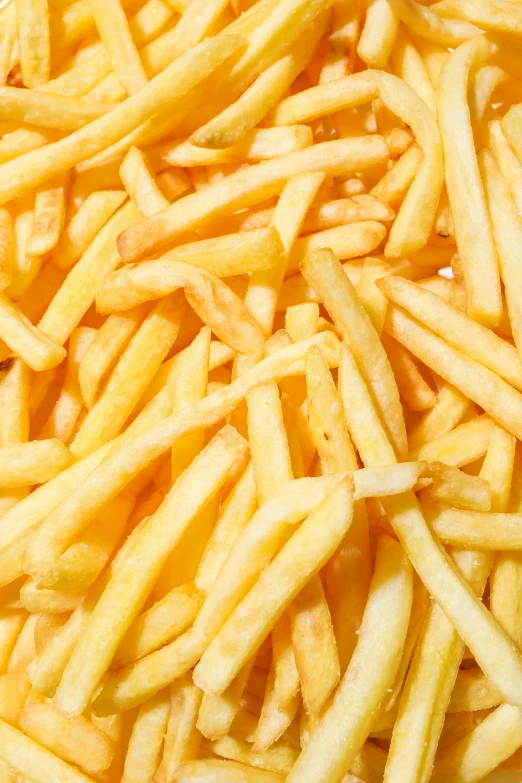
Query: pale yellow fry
{"points": [[176, 80], [302, 321], [409, 66], [238, 118], [286, 675], [26, 265], [507, 162], [350, 241], [182, 739], [217, 713], [11, 624], [166, 619], [413, 226], [219, 771], [34, 38], [425, 23], [500, 16], [315, 645], [346, 723], [268, 440], [37, 108], [455, 488], [258, 144], [73, 739], [488, 745], [369, 294], [245, 188], [465, 443], [235, 514], [393, 187], [450, 407], [77, 293], [196, 23], [113, 28], [472, 223], [324, 99], [146, 740], [472, 529], [505, 592], [34, 762], [473, 691], [507, 230], [275, 589], [32, 463], [288, 216], [102, 353], [474, 380], [415, 391], [25, 340], [8, 33], [49, 217], [273, 720], [378, 34], [92, 656], [83, 227], [325, 274], [279, 758], [149, 440], [140, 183], [132, 374], [215, 302], [459, 330]]}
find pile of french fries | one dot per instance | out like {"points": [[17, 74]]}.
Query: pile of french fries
{"points": [[260, 391]]}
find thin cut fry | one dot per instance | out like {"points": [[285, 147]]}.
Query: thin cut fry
{"points": [[35, 41]]}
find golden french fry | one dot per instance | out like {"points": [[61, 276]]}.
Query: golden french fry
{"points": [[455, 488], [472, 529], [73, 739], [182, 739], [472, 692], [415, 391], [323, 271], [329, 753], [219, 771], [25, 340], [466, 195], [393, 187], [278, 758], [245, 188], [32, 463], [350, 241], [378, 34], [140, 183], [34, 38], [507, 162], [428, 24], [33, 761], [113, 28], [146, 740], [465, 443], [324, 99], [217, 713], [46, 110], [371, 297]]}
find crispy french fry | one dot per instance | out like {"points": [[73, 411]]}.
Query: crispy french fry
{"points": [[219, 771], [146, 740], [372, 299], [378, 34], [140, 183], [507, 162], [465, 190], [415, 391], [182, 739], [456, 488], [35, 41], [324, 99], [32, 463], [473, 691], [408, 65], [25, 340], [471, 529], [393, 187], [363, 687], [73, 739], [428, 24], [464, 444], [217, 713], [113, 27]]}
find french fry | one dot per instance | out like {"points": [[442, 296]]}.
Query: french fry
{"points": [[25, 340], [7, 247], [322, 270], [32, 463], [34, 38], [471, 528], [231, 124], [102, 353], [378, 34], [428, 24], [393, 187], [468, 206], [369, 294], [62, 419], [324, 99], [113, 28], [408, 65], [473, 691], [415, 391], [431, 349], [174, 82], [211, 298], [72, 692], [29, 759], [166, 619], [245, 188], [457, 329], [83, 227], [140, 183], [507, 230], [465, 443], [456, 488], [182, 738], [507, 162], [146, 351], [146, 740], [219, 771], [217, 713], [350, 241], [329, 754], [73, 739], [11, 624]]}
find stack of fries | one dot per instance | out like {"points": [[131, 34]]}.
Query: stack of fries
{"points": [[260, 391]]}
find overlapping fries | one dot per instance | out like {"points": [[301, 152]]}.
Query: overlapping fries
{"points": [[261, 391]]}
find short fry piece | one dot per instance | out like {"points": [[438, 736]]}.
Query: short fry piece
{"points": [[32, 463], [35, 41]]}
